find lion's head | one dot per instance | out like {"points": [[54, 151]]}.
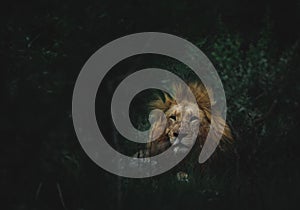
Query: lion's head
{"points": [[182, 119]]}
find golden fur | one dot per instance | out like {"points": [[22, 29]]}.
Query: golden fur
{"points": [[181, 117]]}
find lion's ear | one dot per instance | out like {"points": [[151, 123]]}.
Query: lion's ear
{"points": [[158, 124], [162, 104], [157, 115]]}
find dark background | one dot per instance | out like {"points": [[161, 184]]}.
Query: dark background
{"points": [[254, 45]]}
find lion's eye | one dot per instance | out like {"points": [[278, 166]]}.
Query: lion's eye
{"points": [[173, 117], [194, 118]]}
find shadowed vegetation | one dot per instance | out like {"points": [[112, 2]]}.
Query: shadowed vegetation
{"points": [[255, 49]]}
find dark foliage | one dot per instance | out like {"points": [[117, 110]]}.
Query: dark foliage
{"points": [[254, 45]]}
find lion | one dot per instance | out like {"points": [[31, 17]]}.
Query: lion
{"points": [[181, 120]]}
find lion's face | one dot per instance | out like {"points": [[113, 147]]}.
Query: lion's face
{"points": [[183, 124]]}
